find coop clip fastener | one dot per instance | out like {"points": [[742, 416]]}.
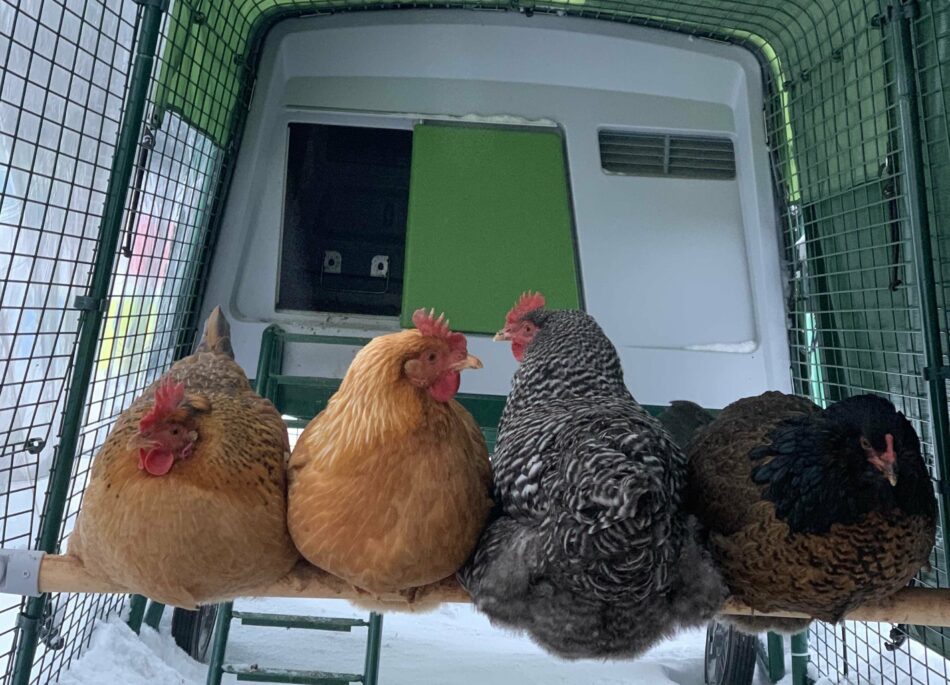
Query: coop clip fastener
{"points": [[20, 571]]}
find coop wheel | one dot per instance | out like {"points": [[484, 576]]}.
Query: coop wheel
{"points": [[193, 630], [730, 655]]}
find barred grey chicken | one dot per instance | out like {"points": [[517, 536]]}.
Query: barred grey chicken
{"points": [[589, 553]]}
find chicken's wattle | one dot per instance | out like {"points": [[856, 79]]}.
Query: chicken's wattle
{"points": [[156, 461], [517, 349], [446, 386]]}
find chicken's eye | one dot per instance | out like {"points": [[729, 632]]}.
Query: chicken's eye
{"points": [[865, 443], [430, 357], [174, 431]]}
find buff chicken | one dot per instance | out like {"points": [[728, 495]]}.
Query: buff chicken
{"points": [[390, 484], [186, 502]]}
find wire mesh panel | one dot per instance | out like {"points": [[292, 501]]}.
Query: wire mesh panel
{"points": [[61, 93], [62, 96]]}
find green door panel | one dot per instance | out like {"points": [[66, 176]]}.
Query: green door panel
{"points": [[489, 217]]}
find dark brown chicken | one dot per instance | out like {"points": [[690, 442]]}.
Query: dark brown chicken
{"points": [[811, 510]]}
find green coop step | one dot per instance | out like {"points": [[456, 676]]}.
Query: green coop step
{"points": [[288, 621], [281, 675]]}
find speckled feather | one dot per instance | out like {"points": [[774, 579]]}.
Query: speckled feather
{"points": [[814, 543], [590, 554], [215, 525]]}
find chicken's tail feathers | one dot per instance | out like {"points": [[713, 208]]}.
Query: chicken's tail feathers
{"points": [[504, 567], [217, 335], [512, 584], [682, 419], [700, 591]]}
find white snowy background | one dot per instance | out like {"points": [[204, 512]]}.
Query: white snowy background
{"points": [[453, 645], [450, 646]]}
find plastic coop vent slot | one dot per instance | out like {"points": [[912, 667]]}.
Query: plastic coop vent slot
{"points": [[646, 154]]}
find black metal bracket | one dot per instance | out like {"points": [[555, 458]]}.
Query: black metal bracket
{"points": [[936, 373], [89, 304], [896, 12], [160, 4], [34, 445]]}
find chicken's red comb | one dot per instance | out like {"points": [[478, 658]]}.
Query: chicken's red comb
{"points": [[528, 302], [168, 396], [426, 323]]}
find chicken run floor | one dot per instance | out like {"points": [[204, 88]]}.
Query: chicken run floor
{"points": [[450, 646]]}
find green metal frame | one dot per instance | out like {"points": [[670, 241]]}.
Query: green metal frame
{"points": [[92, 307], [776, 657], [136, 612], [899, 24], [800, 659]]}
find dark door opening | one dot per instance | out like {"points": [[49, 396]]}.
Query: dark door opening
{"points": [[344, 232]]}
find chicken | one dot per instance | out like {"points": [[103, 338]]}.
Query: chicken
{"points": [[186, 502], [589, 554], [812, 511], [390, 485]]}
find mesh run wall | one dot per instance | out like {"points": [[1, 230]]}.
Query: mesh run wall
{"points": [[62, 97]]}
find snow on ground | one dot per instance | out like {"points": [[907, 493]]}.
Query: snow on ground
{"points": [[451, 646]]}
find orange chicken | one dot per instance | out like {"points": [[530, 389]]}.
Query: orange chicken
{"points": [[186, 503], [390, 484]]}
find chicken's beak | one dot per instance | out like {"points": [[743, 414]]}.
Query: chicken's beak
{"points": [[470, 362], [890, 474], [502, 336], [886, 467]]}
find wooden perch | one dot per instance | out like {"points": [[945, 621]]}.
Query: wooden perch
{"points": [[918, 606]]}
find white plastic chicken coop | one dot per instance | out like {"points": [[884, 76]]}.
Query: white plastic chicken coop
{"points": [[747, 195]]}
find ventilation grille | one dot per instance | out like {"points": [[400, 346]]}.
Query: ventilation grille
{"points": [[647, 154]]}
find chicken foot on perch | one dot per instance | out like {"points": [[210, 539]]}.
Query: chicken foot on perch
{"points": [[31, 573]]}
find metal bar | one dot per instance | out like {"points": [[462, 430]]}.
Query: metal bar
{"points": [[317, 339], [222, 626], [153, 617], [136, 612], [90, 322], [374, 640], [344, 625], [776, 665], [800, 658], [255, 674], [918, 219], [263, 359]]}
